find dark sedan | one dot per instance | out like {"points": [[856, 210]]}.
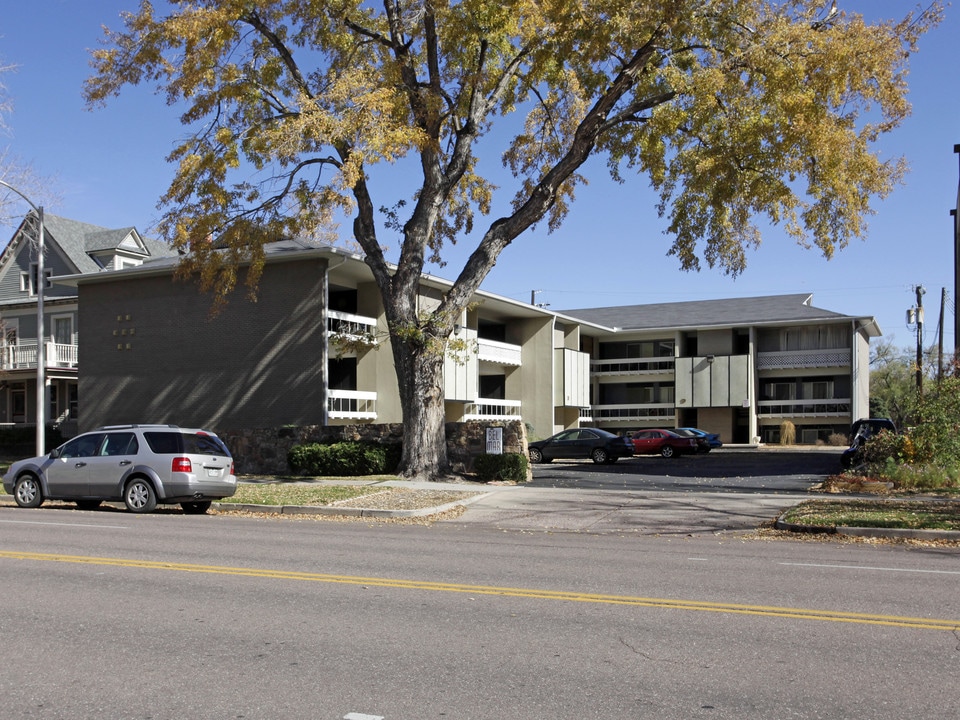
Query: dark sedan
{"points": [[662, 442], [598, 445], [707, 441]]}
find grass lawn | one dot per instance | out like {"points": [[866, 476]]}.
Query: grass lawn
{"points": [[895, 513], [298, 494]]}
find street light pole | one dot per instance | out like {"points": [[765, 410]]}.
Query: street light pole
{"points": [[41, 359]]}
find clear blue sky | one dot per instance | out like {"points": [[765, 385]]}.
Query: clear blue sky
{"points": [[110, 170]]}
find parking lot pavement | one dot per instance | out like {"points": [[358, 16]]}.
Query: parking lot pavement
{"points": [[725, 491]]}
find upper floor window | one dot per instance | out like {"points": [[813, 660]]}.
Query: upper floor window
{"points": [[28, 280]]}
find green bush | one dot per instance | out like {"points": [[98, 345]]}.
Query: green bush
{"points": [[508, 466], [344, 459]]}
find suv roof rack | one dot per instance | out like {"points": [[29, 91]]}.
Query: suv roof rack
{"points": [[137, 425]]}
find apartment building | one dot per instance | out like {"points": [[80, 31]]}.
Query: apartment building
{"points": [[313, 349]]}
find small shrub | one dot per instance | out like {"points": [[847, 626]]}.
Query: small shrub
{"points": [[788, 433], [343, 459], [838, 440], [508, 467]]}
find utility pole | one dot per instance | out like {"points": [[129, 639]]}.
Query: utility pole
{"points": [[943, 302], [920, 292]]}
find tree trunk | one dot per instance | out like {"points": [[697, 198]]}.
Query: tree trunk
{"points": [[420, 379]]}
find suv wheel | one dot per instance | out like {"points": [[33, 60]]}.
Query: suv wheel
{"points": [[27, 491], [139, 496]]}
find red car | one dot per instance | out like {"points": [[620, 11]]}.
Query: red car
{"points": [[662, 442]]}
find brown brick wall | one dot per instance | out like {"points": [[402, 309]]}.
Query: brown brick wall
{"points": [[151, 352]]}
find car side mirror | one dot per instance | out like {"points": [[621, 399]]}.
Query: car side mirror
{"points": [[54, 454]]}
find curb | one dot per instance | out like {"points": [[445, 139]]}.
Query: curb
{"points": [[892, 533], [347, 511]]}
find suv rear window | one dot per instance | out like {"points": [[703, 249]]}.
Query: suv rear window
{"points": [[176, 443]]}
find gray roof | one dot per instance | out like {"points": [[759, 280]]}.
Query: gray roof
{"points": [[77, 239], [706, 313]]}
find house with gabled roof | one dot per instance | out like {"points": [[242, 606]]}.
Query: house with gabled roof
{"points": [[70, 248], [314, 350]]}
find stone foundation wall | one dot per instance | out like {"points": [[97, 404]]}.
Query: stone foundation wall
{"points": [[263, 451]]}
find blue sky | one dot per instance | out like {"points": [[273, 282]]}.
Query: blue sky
{"points": [[109, 170]]}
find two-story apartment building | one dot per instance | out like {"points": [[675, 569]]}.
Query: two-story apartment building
{"points": [[70, 247]]}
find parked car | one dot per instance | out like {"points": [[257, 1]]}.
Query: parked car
{"points": [[598, 445], [140, 465], [710, 440], [861, 431], [663, 442]]}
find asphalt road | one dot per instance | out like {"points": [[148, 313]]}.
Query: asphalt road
{"points": [[112, 615]]}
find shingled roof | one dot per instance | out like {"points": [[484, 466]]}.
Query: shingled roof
{"points": [[78, 239], [708, 313]]}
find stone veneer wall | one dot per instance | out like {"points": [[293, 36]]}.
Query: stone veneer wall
{"points": [[263, 451]]}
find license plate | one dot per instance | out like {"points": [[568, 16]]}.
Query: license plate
{"points": [[213, 472]]}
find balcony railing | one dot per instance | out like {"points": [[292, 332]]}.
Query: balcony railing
{"points": [[350, 325], [839, 357], [352, 404], [662, 412], [836, 407], [491, 409], [632, 366], [497, 352], [24, 356]]}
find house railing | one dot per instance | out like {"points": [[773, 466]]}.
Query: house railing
{"points": [[632, 366], [352, 404], [491, 409], [838, 357], [497, 352], [835, 407], [662, 412], [24, 356]]}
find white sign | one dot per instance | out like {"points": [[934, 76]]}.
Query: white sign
{"points": [[495, 441]]}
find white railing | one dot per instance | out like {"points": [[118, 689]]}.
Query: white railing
{"points": [[838, 357], [586, 414], [664, 412], [352, 404], [24, 356], [491, 409], [498, 352], [350, 325], [835, 407], [632, 366]]}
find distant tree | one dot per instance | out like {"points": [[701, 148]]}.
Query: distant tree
{"points": [[893, 385], [732, 109]]}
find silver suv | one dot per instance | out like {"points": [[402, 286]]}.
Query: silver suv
{"points": [[142, 465]]}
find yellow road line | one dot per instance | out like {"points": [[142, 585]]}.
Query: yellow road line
{"points": [[674, 604]]}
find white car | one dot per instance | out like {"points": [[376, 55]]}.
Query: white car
{"points": [[140, 465]]}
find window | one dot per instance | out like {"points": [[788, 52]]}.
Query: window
{"points": [[63, 330], [83, 446], [120, 444], [28, 280]]}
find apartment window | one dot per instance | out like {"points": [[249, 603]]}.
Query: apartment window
{"points": [[818, 390], [63, 330], [780, 391]]}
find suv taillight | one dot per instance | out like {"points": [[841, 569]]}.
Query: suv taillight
{"points": [[182, 464]]}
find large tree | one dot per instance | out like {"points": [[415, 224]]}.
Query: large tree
{"points": [[735, 110]]}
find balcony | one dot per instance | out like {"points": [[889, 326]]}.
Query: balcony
{"points": [[835, 407], [661, 412], [497, 352], [633, 366], [790, 359], [24, 356], [492, 409], [352, 405], [349, 332]]}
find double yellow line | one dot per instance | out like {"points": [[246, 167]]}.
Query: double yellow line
{"points": [[694, 605]]}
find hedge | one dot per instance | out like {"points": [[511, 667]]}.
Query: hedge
{"points": [[344, 459]]}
